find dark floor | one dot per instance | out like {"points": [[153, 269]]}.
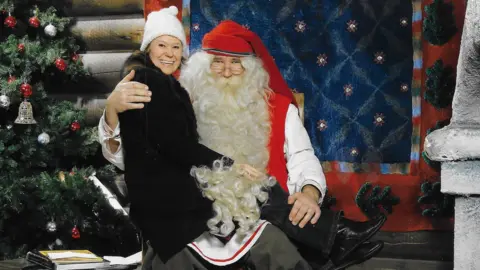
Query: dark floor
{"points": [[402, 251], [412, 251]]}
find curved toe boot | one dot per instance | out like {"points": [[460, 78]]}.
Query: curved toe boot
{"points": [[352, 234], [364, 252], [355, 229]]}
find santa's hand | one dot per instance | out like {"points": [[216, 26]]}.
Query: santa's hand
{"points": [[128, 95], [249, 172], [304, 209]]}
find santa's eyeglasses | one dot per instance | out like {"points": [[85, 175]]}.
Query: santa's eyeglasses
{"points": [[219, 66]]}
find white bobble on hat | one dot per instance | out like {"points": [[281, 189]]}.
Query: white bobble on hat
{"points": [[172, 10]]}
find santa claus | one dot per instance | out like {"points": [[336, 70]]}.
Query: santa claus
{"points": [[245, 110]]}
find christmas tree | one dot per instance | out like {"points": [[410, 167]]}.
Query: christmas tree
{"points": [[45, 201]]}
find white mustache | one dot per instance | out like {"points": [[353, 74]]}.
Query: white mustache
{"points": [[233, 82]]}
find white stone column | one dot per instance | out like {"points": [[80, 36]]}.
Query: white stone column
{"points": [[457, 146]]}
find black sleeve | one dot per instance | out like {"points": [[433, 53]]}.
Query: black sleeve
{"points": [[166, 123]]}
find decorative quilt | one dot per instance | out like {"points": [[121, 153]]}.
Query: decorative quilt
{"points": [[354, 62]]}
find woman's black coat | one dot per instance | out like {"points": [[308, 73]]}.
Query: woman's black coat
{"points": [[160, 144]]}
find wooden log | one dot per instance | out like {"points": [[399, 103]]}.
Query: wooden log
{"points": [[101, 7], [110, 32], [105, 68]]}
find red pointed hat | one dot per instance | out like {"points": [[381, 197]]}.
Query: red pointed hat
{"points": [[231, 39]]}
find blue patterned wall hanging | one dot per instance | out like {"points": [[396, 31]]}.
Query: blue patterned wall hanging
{"points": [[353, 60]]}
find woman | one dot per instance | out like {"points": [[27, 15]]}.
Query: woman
{"points": [[161, 144]]}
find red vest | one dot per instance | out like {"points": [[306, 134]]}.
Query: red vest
{"points": [[277, 165]]}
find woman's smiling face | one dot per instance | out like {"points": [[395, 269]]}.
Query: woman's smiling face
{"points": [[165, 52]]}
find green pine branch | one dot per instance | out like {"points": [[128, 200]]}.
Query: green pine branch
{"points": [[32, 192], [374, 201], [439, 24], [49, 16], [440, 85], [434, 202], [68, 199]]}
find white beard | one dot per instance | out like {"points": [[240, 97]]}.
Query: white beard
{"points": [[235, 130], [232, 119], [235, 125]]}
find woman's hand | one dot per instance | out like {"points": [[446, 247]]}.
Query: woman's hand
{"points": [[250, 172], [128, 95]]}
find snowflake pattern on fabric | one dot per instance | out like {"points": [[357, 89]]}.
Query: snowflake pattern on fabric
{"points": [[352, 26], [351, 59], [348, 90], [300, 26], [322, 60], [322, 125]]}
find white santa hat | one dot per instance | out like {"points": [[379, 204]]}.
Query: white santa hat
{"points": [[164, 22]]}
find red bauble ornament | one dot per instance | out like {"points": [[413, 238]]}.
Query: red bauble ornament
{"points": [[21, 47], [11, 79], [10, 21], [75, 233], [34, 22], [75, 57], [75, 126], [60, 64], [26, 90]]}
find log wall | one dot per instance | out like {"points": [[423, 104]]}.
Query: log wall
{"points": [[110, 30], [110, 33], [79, 8]]}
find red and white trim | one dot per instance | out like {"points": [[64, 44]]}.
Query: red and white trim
{"points": [[215, 252]]}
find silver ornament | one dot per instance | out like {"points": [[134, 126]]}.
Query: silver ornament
{"points": [[58, 242], [50, 30], [9, 126], [4, 101], [51, 226], [43, 138]]}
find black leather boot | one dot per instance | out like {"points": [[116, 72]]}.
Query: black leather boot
{"points": [[351, 227], [351, 234]]}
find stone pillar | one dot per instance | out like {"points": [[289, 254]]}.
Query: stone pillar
{"points": [[457, 146]]}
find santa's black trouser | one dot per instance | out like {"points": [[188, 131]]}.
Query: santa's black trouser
{"points": [[319, 236]]}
